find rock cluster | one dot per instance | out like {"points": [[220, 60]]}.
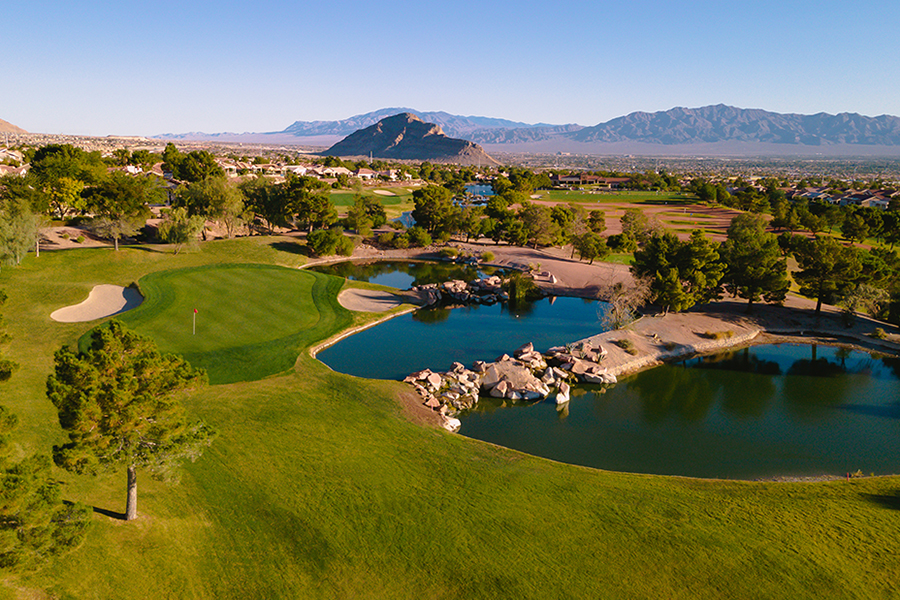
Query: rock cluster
{"points": [[483, 291], [527, 375]]}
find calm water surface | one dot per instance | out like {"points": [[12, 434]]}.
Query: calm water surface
{"points": [[765, 411], [404, 274], [435, 338]]}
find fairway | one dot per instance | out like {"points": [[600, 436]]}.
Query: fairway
{"points": [[318, 486], [612, 197]]}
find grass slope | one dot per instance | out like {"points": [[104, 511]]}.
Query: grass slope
{"points": [[318, 487]]}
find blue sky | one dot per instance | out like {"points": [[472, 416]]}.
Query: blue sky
{"points": [[143, 68]]}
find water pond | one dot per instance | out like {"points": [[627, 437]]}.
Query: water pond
{"points": [[404, 274], [436, 337], [758, 412]]}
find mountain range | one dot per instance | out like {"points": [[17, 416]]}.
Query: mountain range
{"points": [[718, 129]]}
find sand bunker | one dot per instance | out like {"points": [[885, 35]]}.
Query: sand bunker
{"points": [[369, 300], [103, 301], [383, 193]]}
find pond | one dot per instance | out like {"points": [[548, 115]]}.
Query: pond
{"points": [[404, 274], [436, 337], [759, 412], [763, 411]]}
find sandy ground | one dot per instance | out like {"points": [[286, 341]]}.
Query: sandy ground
{"points": [[360, 300], [103, 301], [63, 238], [383, 193]]}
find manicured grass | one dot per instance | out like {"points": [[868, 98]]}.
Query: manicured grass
{"points": [[318, 487], [616, 197], [626, 258], [252, 320], [394, 205]]}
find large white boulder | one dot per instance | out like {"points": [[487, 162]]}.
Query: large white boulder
{"points": [[563, 393]]}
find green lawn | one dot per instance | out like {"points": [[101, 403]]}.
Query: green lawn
{"points": [[394, 206], [624, 258], [319, 487], [616, 197]]}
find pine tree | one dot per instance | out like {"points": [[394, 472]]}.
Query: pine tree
{"points": [[755, 267], [118, 403]]}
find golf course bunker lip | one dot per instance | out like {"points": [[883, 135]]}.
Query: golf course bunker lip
{"points": [[103, 301]]}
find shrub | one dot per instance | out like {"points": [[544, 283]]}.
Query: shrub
{"points": [[443, 237], [65, 236], [879, 334], [80, 239], [418, 237], [670, 346], [627, 345], [718, 335], [487, 256], [401, 241], [521, 287], [449, 252], [323, 242], [386, 239], [345, 246], [621, 242]]}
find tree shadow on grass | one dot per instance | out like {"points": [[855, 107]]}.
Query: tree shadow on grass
{"points": [[889, 500], [292, 248], [109, 513]]}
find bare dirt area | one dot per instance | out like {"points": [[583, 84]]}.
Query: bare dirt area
{"points": [[726, 324], [64, 238]]}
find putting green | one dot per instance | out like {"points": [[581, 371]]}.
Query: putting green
{"points": [[252, 321]]}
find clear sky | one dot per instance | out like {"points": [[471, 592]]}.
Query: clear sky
{"points": [[143, 68]]}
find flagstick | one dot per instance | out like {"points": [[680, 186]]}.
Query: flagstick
{"points": [[195, 324]]}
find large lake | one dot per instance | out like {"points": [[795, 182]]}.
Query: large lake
{"points": [[759, 412]]}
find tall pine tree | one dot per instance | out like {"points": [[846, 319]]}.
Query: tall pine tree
{"points": [[118, 401]]}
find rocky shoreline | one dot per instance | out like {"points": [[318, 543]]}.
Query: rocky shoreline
{"points": [[527, 375]]}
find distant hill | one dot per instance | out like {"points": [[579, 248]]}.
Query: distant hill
{"points": [[407, 137], [10, 128]]}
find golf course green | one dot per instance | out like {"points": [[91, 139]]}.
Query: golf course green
{"points": [[320, 486]]}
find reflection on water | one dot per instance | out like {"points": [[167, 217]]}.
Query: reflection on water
{"points": [[757, 412], [436, 337], [404, 274]]}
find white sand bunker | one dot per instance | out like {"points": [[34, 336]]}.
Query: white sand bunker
{"points": [[103, 301], [383, 193], [368, 300]]}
